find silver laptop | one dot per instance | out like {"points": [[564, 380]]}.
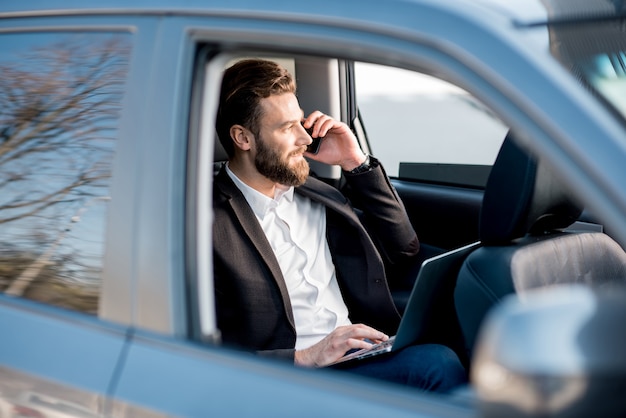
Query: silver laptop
{"points": [[412, 325]]}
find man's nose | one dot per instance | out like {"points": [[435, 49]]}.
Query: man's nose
{"points": [[306, 134]]}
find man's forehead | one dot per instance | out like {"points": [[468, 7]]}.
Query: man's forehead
{"points": [[281, 108]]}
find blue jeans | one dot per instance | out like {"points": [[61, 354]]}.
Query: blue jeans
{"points": [[429, 367]]}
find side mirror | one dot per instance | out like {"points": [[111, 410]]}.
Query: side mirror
{"points": [[555, 352]]}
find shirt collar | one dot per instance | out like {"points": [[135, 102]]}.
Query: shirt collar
{"points": [[260, 203]]}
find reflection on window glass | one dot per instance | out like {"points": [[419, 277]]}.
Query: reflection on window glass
{"points": [[595, 53], [414, 118], [61, 96], [608, 75]]}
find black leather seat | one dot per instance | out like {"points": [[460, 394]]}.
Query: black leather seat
{"points": [[523, 246]]}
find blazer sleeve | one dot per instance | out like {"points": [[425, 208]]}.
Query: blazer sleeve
{"points": [[383, 213]]}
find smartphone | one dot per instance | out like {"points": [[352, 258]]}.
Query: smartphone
{"points": [[314, 146]]}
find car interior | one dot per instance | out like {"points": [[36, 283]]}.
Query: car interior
{"points": [[523, 243], [514, 214]]}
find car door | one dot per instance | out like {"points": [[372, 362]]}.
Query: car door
{"points": [[182, 368], [55, 362], [60, 91], [175, 364]]}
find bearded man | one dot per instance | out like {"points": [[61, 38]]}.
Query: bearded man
{"points": [[298, 275]]}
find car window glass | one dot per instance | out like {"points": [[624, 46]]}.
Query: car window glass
{"points": [[595, 53], [443, 123], [61, 96]]}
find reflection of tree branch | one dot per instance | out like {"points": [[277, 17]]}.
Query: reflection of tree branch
{"points": [[60, 105], [29, 274], [42, 126], [47, 200]]}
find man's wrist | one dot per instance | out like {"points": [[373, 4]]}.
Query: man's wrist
{"points": [[368, 164], [301, 358], [352, 163]]}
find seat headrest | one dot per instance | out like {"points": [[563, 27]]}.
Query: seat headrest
{"points": [[523, 196], [219, 153]]}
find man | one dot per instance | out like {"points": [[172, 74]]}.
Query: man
{"points": [[297, 274]]}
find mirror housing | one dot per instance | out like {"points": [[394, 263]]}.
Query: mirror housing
{"points": [[554, 352]]}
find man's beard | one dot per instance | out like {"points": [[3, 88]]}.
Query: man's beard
{"points": [[269, 163]]}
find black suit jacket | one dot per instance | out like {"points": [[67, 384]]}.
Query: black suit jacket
{"points": [[252, 302]]}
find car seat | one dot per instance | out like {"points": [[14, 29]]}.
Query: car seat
{"points": [[523, 244]]}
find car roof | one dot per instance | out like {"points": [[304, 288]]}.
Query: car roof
{"points": [[519, 12]]}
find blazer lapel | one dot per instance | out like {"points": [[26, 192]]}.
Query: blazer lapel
{"points": [[253, 230], [333, 199], [328, 196]]}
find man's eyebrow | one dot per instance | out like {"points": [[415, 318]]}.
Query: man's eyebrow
{"points": [[287, 123], [292, 121]]}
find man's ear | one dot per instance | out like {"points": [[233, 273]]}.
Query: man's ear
{"points": [[241, 137]]}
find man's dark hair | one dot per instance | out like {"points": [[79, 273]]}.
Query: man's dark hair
{"points": [[243, 86]]}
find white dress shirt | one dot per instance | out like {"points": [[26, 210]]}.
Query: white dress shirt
{"points": [[295, 227]]}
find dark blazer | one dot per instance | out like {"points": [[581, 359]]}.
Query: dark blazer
{"points": [[252, 302]]}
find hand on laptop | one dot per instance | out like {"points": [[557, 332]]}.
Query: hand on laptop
{"points": [[337, 343]]}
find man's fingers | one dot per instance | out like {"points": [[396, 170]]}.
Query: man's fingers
{"points": [[320, 123], [362, 332], [359, 344], [337, 343]]}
